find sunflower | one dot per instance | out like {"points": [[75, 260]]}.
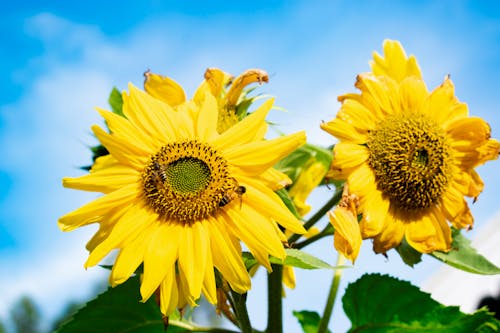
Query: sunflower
{"points": [[408, 154], [179, 197]]}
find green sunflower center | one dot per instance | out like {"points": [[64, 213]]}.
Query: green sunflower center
{"points": [[187, 181], [411, 159], [187, 175]]}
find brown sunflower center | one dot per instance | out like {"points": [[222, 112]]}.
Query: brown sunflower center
{"points": [[410, 157], [186, 181]]}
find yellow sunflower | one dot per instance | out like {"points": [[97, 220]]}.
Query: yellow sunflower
{"points": [[408, 154], [179, 197]]}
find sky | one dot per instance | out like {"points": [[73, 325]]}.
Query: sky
{"points": [[60, 60]]}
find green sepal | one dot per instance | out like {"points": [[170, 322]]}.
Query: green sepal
{"points": [[379, 303], [308, 320], [464, 257], [409, 255], [115, 100], [294, 257]]}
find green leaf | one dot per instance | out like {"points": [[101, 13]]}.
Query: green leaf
{"points": [[409, 255], [379, 303], [463, 256], [294, 258], [301, 259], [115, 100], [299, 159], [309, 320], [117, 310]]}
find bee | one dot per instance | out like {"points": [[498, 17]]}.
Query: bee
{"points": [[236, 191], [159, 175]]}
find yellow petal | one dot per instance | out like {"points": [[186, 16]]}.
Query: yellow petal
{"points": [[395, 63], [452, 202], [164, 89], [243, 80], [105, 180], [374, 208], [259, 197], [464, 220], [274, 179], [194, 245], [217, 80], [383, 90], [208, 287], [289, 276], [95, 210], [428, 234], [413, 94], [256, 232], [226, 254], [391, 235], [245, 131], [157, 120], [345, 131], [169, 293], [256, 157], [104, 162], [159, 257], [130, 257], [128, 227], [123, 129], [124, 151], [361, 181], [347, 236], [207, 119], [347, 157], [443, 106], [356, 114]]}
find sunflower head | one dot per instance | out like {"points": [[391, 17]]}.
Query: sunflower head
{"points": [[408, 154], [179, 196]]}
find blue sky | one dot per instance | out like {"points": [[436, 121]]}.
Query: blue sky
{"points": [[60, 60]]}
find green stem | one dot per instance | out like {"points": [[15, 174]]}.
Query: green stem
{"points": [[328, 231], [274, 301], [240, 308], [332, 295], [319, 214]]}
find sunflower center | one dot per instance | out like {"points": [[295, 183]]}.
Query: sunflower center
{"points": [[187, 175], [410, 157], [186, 181]]}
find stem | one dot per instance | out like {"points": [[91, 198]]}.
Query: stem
{"points": [[240, 307], [328, 231], [318, 215], [274, 301], [332, 295]]}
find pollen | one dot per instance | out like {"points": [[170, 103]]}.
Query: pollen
{"points": [[185, 181], [411, 160]]}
